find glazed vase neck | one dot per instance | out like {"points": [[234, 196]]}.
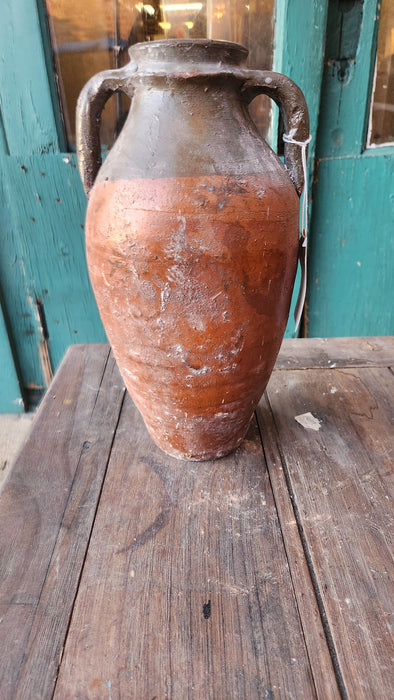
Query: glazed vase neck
{"points": [[187, 56]]}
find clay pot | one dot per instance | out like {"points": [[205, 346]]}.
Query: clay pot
{"points": [[192, 236]]}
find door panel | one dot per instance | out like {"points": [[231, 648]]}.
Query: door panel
{"points": [[43, 269], [351, 260], [351, 282], [50, 237], [46, 290]]}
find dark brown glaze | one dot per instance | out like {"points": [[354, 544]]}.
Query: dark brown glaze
{"points": [[188, 114], [193, 278]]}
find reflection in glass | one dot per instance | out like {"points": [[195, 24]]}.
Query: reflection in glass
{"points": [[94, 35], [382, 111]]}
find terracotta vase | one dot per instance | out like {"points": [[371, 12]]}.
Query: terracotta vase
{"points": [[192, 236]]}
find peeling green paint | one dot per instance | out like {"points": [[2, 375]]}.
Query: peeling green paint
{"points": [[45, 259]]}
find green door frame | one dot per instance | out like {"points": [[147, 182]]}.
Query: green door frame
{"points": [[11, 400], [45, 284], [300, 27], [351, 283]]}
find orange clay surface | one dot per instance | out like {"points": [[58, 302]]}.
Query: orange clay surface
{"points": [[193, 280]]}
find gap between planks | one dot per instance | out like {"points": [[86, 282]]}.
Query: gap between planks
{"points": [[331, 353], [170, 539], [318, 639], [50, 620], [339, 478]]}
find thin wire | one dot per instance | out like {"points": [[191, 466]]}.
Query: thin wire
{"points": [[304, 225]]}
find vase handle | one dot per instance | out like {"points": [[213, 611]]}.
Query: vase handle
{"points": [[294, 112], [90, 105]]}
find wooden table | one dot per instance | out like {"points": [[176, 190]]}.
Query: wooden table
{"points": [[266, 574]]}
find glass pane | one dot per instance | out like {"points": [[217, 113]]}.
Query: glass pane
{"points": [[382, 112], [83, 44], [95, 35]]}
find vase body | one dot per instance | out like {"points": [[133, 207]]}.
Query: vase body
{"points": [[192, 247]]}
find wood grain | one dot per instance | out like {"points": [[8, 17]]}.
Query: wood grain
{"points": [[267, 574], [340, 478], [312, 625], [186, 590], [47, 508], [44, 261], [329, 353]]}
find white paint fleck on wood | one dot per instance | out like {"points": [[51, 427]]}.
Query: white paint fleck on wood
{"points": [[308, 421]]}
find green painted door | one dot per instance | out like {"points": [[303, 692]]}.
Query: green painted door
{"points": [[46, 298], [351, 263], [45, 292]]}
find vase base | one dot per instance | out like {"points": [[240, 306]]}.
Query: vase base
{"points": [[200, 445], [201, 456]]}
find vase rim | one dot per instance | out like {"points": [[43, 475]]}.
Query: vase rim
{"points": [[190, 51]]}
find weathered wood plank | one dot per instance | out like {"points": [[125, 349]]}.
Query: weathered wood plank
{"points": [[326, 353], [314, 633], [47, 508], [186, 590], [338, 460]]}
